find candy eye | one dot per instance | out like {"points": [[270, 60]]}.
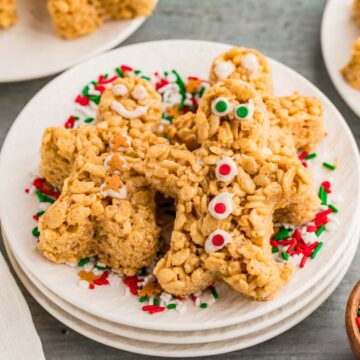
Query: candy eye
{"points": [[245, 111], [221, 106]]}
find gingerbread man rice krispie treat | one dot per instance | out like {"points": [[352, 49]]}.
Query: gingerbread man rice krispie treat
{"points": [[244, 64], [228, 191], [7, 13], [302, 116], [351, 72], [105, 208], [74, 18]]}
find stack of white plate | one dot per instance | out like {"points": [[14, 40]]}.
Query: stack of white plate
{"points": [[106, 314]]}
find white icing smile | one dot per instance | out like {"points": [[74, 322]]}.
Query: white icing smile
{"points": [[223, 69], [129, 114]]}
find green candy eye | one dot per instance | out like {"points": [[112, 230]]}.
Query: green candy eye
{"points": [[245, 111], [221, 106]]}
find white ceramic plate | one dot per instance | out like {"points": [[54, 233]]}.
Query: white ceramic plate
{"points": [[204, 336], [338, 33], [52, 105], [173, 350], [31, 49]]}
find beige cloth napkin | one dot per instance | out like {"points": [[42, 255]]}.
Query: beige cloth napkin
{"points": [[18, 337]]}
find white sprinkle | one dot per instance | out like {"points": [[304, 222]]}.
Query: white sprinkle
{"points": [[89, 266], [139, 93], [73, 265], [120, 90], [32, 190], [165, 297], [44, 206], [84, 110], [83, 284], [309, 237], [197, 302], [181, 308]]}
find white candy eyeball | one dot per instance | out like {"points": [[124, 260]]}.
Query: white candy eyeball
{"points": [[120, 90], [221, 106], [226, 169], [245, 111], [221, 206], [139, 93], [217, 240]]}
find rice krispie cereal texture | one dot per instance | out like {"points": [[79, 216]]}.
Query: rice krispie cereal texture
{"points": [[74, 18], [244, 64], [228, 191], [351, 72], [299, 115], [105, 207], [356, 11], [7, 13]]}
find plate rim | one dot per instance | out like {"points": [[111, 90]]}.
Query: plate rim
{"points": [[339, 84], [315, 90], [299, 316], [74, 312]]}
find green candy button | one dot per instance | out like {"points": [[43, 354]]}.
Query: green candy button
{"points": [[242, 111], [221, 106]]}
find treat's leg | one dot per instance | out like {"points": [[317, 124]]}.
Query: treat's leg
{"points": [[351, 72], [7, 13], [74, 18]]}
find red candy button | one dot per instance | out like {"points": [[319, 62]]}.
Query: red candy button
{"points": [[225, 169], [220, 208], [218, 240]]}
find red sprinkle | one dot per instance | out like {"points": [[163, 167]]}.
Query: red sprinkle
{"points": [[327, 186], [311, 228], [193, 297], [126, 68], [91, 286], [82, 100], [100, 88], [104, 80], [358, 321], [291, 247], [27, 190], [70, 122], [35, 217], [297, 234], [303, 155], [40, 185], [161, 83], [274, 243], [303, 261]]}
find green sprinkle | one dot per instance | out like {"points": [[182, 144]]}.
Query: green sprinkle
{"points": [[282, 234], [89, 120], [201, 91], [285, 255], [94, 82], [40, 195], [40, 213], [329, 166], [203, 305], [48, 199], [214, 293], [166, 73], [333, 208], [167, 117], [323, 195], [83, 262], [119, 72], [145, 78], [106, 76], [143, 272], [181, 84], [137, 72], [320, 230], [143, 299], [275, 250], [317, 249], [358, 313], [99, 267], [192, 107], [156, 302], [95, 99], [171, 306], [35, 231], [85, 91], [182, 103], [310, 156]]}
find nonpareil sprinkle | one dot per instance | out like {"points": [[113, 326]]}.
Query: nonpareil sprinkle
{"points": [[35, 231], [333, 208], [203, 305], [214, 293], [320, 230], [285, 255], [171, 306], [310, 156], [275, 250], [83, 262]]}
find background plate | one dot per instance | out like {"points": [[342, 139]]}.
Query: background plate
{"points": [[201, 336], [167, 350], [338, 33], [52, 105], [31, 49]]}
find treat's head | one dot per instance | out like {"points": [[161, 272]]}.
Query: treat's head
{"points": [[233, 115], [132, 99]]}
